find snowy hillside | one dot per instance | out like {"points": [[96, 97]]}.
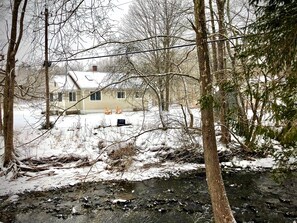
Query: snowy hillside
{"points": [[92, 148]]}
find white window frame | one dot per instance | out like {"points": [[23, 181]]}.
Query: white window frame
{"points": [[122, 95], [72, 96], [95, 94]]}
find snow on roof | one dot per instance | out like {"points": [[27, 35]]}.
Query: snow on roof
{"points": [[94, 80], [89, 80], [64, 82]]}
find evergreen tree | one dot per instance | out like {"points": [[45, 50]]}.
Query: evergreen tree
{"points": [[273, 47]]}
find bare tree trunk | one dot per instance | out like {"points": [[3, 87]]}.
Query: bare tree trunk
{"points": [[8, 110], [8, 101], [1, 123], [162, 94], [8, 113], [167, 58], [220, 204], [221, 75], [213, 38]]}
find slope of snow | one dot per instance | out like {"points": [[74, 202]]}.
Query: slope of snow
{"points": [[93, 137]]}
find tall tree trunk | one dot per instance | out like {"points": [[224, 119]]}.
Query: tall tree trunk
{"points": [[167, 79], [167, 58], [1, 123], [8, 112], [220, 204], [213, 38], [162, 94], [8, 109], [8, 101], [221, 75]]}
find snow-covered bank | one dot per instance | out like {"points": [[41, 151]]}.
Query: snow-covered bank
{"points": [[80, 148]]}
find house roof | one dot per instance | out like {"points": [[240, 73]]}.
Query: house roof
{"points": [[65, 82], [89, 80], [81, 80], [75, 80]]}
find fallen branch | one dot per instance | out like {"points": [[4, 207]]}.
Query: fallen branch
{"points": [[50, 173], [33, 168]]}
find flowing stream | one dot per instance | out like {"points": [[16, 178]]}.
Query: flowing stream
{"points": [[254, 197]]}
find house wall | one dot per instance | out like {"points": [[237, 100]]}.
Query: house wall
{"points": [[109, 100], [73, 105], [65, 103]]}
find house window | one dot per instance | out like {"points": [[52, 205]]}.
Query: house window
{"points": [[60, 96], [121, 94], [137, 94], [72, 96], [95, 96], [51, 97]]}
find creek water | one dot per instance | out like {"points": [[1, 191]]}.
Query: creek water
{"points": [[254, 197]]}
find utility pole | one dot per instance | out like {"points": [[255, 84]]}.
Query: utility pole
{"points": [[1, 86], [46, 66]]}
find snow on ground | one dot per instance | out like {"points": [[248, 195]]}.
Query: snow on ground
{"points": [[93, 137]]}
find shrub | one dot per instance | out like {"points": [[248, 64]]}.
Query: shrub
{"points": [[127, 151]]}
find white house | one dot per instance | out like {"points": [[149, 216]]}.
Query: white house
{"points": [[87, 92]]}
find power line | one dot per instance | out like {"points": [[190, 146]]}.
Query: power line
{"points": [[140, 51], [122, 54]]}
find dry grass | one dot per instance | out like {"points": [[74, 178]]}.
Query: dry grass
{"points": [[121, 159], [124, 152], [151, 165]]}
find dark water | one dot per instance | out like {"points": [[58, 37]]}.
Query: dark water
{"points": [[254, 197]]}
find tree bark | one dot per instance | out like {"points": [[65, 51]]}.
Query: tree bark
{"points": [[213, 38], [1, 123], [220, 204], [8, 101], [221, 75], [167, 59]]}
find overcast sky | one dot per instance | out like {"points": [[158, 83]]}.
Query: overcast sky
{"points": [[117, 14]]}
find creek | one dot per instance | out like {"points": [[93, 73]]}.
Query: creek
{"points": [[254, 197]]}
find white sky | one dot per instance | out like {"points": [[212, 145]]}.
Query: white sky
{"points": [[117, 14], [123, 7]]}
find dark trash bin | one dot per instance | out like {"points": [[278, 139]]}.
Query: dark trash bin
{"points": [[121, 122]]}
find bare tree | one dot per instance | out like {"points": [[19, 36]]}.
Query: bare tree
{"points": [[219, 65], [67, 39], [220, 204], [161, 24], [221, 73], [16, 33], [2, 78], [237, 13], [248, 93], [228, 68]]}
